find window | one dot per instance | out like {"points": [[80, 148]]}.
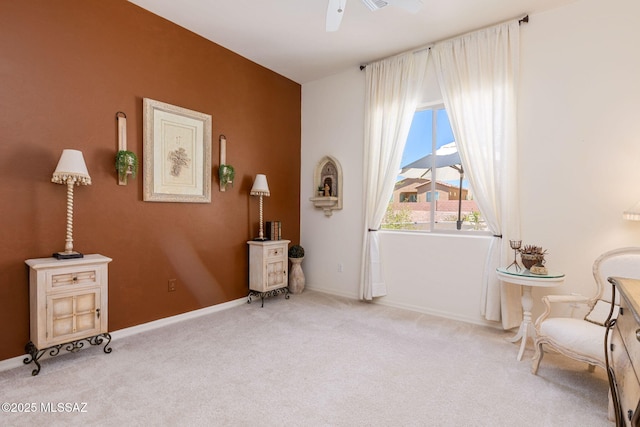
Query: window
{"points": [[408, 197], [432, 196], [430, 178]]}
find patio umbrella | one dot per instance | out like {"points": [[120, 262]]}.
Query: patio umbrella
{"points": [[448, 167]]}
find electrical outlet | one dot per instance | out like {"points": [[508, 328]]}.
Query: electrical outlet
{"points": [[172, 285], [339, 267]]}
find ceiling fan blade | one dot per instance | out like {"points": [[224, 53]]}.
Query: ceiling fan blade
{"points": [[412, 6], [335, 10], [375, 4]]}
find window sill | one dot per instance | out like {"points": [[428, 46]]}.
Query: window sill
{"points": [[441, 233]]}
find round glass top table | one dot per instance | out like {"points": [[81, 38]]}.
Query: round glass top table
{"points": [[527, 280]]}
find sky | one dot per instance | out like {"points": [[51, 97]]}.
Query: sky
{"points": [[419, 140]]}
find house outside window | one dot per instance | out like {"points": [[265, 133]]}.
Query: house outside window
{"points": [[431, 170]]}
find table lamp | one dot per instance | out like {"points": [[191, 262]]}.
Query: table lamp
{"points": [[633, 213], [71, 170], [260, 188]]}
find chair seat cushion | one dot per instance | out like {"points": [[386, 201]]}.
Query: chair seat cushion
{"points": [[576, 335]]}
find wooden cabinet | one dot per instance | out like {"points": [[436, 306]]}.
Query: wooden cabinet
{"points": [[68, 302], [268, 268], [624, 355], [268, 264]]}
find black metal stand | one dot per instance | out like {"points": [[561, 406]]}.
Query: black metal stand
{"points": [[270, 293], [35, 354]]}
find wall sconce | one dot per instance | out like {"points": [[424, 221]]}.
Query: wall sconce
{"points": [[226, 172], [260, 188], [71, 170], [126, 161]]}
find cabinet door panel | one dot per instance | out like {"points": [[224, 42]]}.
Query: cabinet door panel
{"points": [[62, 306], [275, 274], [62, 327], [72, 316], [86, 322]]}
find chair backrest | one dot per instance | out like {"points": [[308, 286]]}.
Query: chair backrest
{"points": [[624, 262]]}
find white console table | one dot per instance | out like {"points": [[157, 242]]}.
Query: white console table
{"points": [[527, 280]]}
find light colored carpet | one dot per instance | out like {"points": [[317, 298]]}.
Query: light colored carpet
{"points": [[312, 360]]}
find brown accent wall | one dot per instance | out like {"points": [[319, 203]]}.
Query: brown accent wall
{"points": [[66, 68]]}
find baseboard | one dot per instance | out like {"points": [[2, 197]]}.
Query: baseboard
{"points": [[331, 292], [418, 309], [17, 361], [137, 329], [12, 363], [438, 313]]}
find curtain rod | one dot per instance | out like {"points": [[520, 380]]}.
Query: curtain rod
{"points": [[523, 20]]}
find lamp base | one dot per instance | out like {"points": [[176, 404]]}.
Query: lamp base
{"points": [[260, 239], [67, 255]]}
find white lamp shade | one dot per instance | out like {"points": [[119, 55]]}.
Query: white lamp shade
{"points": [[260, 186], [71, 166], [633, 213]]}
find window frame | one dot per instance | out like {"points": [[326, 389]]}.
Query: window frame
{"points": [[434, 107]]}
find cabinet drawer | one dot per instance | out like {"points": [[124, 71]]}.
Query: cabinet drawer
{"points": [[628, 328], [72, 277], [276, 251]]}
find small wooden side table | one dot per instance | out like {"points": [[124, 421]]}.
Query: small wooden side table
{"points": [[268, 268], [68, 301], [527, 280]]}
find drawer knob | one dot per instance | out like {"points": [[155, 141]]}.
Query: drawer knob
{"points": [[638, 334]]}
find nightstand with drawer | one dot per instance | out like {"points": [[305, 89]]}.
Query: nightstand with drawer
{"points": [[68, 302], [268, 268]]}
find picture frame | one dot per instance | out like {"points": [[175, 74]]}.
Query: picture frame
{"points": [[177, 154]]}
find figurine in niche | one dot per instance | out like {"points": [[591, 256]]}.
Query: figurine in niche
{"points": [[327, 187], [328, 176]]}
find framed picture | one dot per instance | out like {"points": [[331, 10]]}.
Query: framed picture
{"points": [[177, 154]]}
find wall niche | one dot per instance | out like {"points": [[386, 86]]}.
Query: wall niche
{"points": [[327, 180]]}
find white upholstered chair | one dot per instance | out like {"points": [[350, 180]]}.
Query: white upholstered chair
{"points": [[583, 338]]}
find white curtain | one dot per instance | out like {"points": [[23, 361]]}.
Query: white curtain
{"points": [[478, 78], [394, 86]]}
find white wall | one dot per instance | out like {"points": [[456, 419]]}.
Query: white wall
{"points": [[332, 124], [579, 139], [579, 133]]}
